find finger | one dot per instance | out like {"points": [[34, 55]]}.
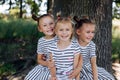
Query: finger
{"points": [[71, 76]]}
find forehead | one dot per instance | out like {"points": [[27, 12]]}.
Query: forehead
{"points": [[64, 25], [46, 19], [88, 25]]}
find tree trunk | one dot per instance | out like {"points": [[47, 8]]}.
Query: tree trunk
{"points": [[21, 9], [101, 12], [50, 5]]}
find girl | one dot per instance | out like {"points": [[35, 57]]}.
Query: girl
{"points": [[64, 52], [85, 31], [46, 25]]}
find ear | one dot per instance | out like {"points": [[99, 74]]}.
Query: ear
{"points": [[39, 29], [78, 32]]}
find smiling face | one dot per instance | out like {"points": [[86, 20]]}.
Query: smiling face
{"points": [[64, 31], [86, 32], [46, 25]]}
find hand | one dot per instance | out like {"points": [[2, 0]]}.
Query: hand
{"points": [[51, 63], [44, 57], [53, 78], [74, 73]]}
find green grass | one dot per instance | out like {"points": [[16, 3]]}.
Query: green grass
{"points": [[7, 69], [116, 43]]}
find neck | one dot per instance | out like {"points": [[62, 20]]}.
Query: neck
{"points": [[49, 37], [82, 43], [63, 44]]}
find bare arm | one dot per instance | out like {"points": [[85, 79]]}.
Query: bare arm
{"points": [[52, 68], [41, 61], [80, 63], [78, 68], [76, 61], [94, 68]]}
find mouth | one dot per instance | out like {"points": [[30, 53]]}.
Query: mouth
{"points": [[65, 37], [89, 38], [51, 30]]}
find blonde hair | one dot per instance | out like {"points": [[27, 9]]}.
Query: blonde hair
{"points": [[64, 20]]}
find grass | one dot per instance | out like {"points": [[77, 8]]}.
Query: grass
{"points": [[116, 41]]}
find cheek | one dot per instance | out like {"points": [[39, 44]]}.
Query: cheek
{"points": [[53, 25], [39, 29], [93, 35]]}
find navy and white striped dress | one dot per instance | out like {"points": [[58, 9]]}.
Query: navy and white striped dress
{"points": [[40, 72], [64, 59], [86, 73]]}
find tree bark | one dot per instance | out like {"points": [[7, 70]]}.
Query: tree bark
{"points": [[101, 12]]}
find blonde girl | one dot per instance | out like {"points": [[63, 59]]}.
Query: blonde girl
{"points": [[64, 52]]}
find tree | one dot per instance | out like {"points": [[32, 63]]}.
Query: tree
{"points": [[101, 12], [34, 6], [21, 12]]}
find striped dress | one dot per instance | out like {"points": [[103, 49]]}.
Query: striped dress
{"points": [[64, 59], [86, 73], [40, 72]]}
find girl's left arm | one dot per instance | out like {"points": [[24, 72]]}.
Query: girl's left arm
{"points": [[78, 68], [94, 68]]}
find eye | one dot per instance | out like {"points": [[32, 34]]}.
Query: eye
{"points": [[51, 23], [60, 29], [67, 29], [88, 31], [44, 25], [93, 32]]}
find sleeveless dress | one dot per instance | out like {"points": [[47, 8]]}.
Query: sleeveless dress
{"points": [[40, 72], [64, 59], [86, 73]]}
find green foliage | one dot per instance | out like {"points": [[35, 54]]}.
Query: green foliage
{"points": [[34, 6], [18, 39], [116, 9], [116, 43], [116, 49], [18, 29], [7, 69]]}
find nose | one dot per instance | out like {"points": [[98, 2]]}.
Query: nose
{"points": [[64, 31], [50, 26]]}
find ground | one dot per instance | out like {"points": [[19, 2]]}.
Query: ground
{"points": [[115, 67]]}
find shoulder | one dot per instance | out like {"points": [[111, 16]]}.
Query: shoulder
{"points": [[74, 40], [92, 43], [52, 44], [41, 39], [75, 45]]}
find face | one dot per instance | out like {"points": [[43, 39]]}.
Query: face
{"points": [[86, 32], [64, 31], [46, 25]]}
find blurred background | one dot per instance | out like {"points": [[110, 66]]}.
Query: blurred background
{"points": [[19, 36]]}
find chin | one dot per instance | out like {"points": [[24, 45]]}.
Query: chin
{"points": [[88, 42]]}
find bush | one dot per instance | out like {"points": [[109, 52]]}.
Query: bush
{"points": [[18, 39], [7, 69]]}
